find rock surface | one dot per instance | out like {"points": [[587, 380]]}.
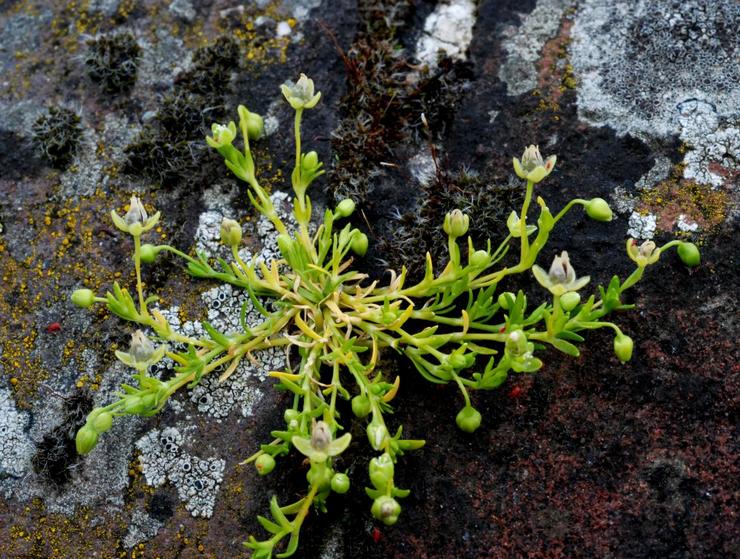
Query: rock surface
{"points": [[588, 458]]}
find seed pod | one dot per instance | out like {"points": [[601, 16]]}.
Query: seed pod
{"points": [[264, 464], [623, 347], [83, 298], [86, 439], [689, 254], [361, 406], [468, 419], [340, 483], [386, 509]]}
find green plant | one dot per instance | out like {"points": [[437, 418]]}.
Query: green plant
{"points": [[455, 325]]}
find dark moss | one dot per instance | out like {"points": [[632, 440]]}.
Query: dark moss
{"points": [[112, 61], [57, 134], [170, 148], [56, 454]]}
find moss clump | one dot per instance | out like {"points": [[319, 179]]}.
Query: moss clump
{"points": [[57, 134], [386, 96], [176, 133], [112, 61], [418, 231]]}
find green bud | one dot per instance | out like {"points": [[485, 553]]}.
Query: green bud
{"points": [[310, 161], [149, 253], [623, 347], [83, 298], [361, 405], [386, 509], [345, 208], [255, 126], [359, 244], [456, 224], [381, 471], [598, 209], [377, 434], [468, 419], [503, 299], [457, 361], [264, 464], [86, 439], [689, 254], [231, 232], [570, 300], [291, 415], [340, 483], [102, 422], [479, 258]]}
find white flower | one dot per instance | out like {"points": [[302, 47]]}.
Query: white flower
{"points": [[643, 255], [561, 278], [301, 95], [532, 167]]}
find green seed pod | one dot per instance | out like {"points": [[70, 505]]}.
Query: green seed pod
{"points": [[148, 253], [381, 471], [468, 419], [386, 509], [264, 464], [479, 258], [359, 244], [340, 483], [361, 405], [516, 343], [598, 209], [231, 232], [345, 208], [255, 126], [689, 254], [320, 476], [102, 422], [83, 298], [570, 300], [623, 347], [86, 439]]}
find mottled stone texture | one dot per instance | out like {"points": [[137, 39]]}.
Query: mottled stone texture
{"points": [[587, 458]]}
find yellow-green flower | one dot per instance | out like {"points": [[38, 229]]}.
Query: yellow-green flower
{"points": [[320, 445], [561, 278], [301, 94], [136, 221], [532, 167], [222, 135], [142, 353], [645, 254]]}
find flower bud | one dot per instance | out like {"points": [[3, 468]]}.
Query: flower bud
{"points": [[623, 347], [148, 253], [291, 415], [340, 483], [83, 298], [264, 464], [386, 509], [377, 434], [381, 471], [479, 259], [231, 232], [570, 300], [345, 207], [310, 161], [361, 405], [359, 244], [86, 439], [456, 224], [516, 343], [504, 298], [598, 209], [255, 126], [689, 254], [468, 419], [102, 422]]}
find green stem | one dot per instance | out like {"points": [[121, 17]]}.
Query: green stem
{"points": [[137, 265], [523, 222]]}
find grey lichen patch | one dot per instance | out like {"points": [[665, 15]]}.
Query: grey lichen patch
{"points": [[16, 448], [524, 44], [642, 226], [449, 29], [197, 480], [659, 171], [161, 59], [637, 62], [141, 527]]}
